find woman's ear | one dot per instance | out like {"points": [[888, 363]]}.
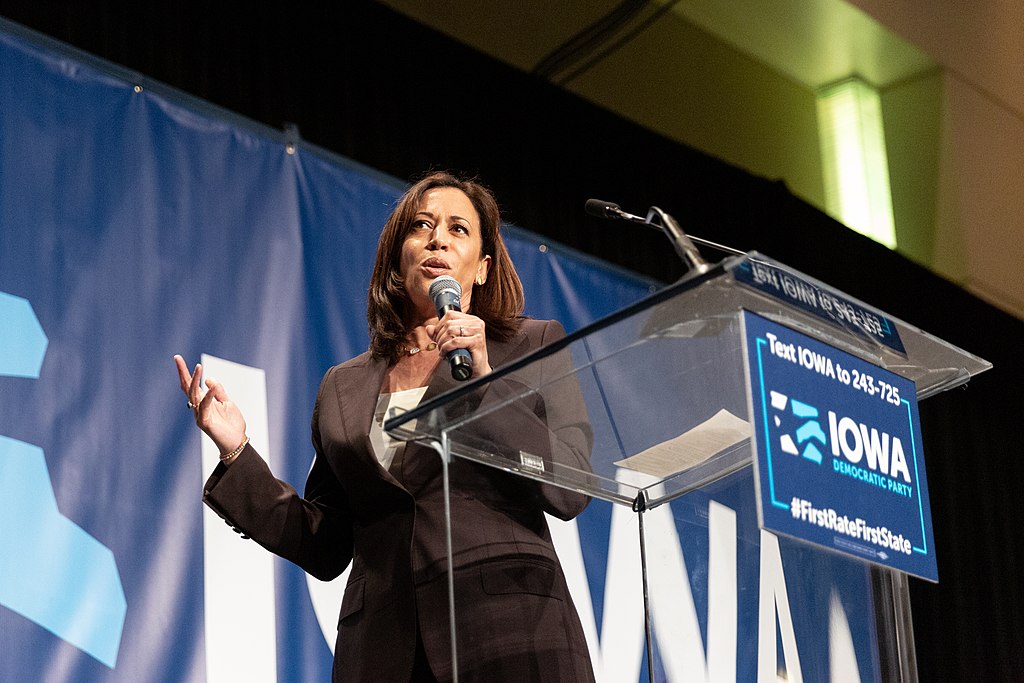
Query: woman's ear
{"points": [[482, 269]]}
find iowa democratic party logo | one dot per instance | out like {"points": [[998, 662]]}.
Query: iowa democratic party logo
{"points": [[865, 451], [806, 439]]}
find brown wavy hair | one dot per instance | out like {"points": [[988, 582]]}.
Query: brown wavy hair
{"points": [[498, 302]]}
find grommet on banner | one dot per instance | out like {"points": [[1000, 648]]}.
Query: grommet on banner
{"points": [[543, 248], [138, 88], [291, 137]]}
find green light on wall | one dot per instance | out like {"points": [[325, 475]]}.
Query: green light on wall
{"points": [[853, 156]]}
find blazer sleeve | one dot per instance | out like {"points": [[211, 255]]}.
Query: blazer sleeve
{"points": [[314, 531]]}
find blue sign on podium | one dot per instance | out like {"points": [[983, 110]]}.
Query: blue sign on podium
{"points": [[837, 450]]}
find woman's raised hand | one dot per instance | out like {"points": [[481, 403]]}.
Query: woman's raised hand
{"points": [[215, 413]]}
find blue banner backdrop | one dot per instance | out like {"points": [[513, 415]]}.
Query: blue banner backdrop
{"points": [[136, 223]]}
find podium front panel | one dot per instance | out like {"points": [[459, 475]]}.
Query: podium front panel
{"points": [[636, 404]]}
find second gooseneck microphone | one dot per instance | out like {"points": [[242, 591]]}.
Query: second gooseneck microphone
{"points": [[446, 292]]}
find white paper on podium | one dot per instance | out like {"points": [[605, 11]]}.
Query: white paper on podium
{"points": [[689, 449]]}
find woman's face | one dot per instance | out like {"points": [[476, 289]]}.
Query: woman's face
{"points": [[444, 239]]}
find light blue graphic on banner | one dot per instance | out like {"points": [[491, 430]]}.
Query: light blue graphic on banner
{"points": [[51, 571], [838, 450], [22, 341]]}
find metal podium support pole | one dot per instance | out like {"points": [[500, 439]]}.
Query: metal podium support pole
{"points": [[639, 507], [443, 448]]}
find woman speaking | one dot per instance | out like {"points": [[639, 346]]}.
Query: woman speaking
{"points": [[379, 503]]}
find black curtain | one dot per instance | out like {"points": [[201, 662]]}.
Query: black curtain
{"points": [[363, 81]]}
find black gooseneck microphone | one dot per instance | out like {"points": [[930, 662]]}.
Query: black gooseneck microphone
{"points": [[445, 292], [658, 219], [611, 211]]}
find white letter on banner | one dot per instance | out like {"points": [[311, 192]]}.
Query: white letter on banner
{"points": [[623, 621], [774, 599], [675, 624], [723, 595], [241, 641], [619, 654], [842, 656]]}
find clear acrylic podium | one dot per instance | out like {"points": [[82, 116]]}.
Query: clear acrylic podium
{"points": [[663, 387]]}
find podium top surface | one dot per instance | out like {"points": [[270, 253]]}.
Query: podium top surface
{"points": [[664, 379]]}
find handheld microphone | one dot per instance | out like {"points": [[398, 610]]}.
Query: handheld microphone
{"points": [[445, 292]]}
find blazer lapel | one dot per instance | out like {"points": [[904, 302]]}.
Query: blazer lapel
{"points": [[500, 353], [357, 385], [358, 388], [421, 463]]}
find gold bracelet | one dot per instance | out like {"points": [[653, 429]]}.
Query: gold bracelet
{"points": [[227, 458]]}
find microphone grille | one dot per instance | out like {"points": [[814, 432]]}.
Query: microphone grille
{"points": [[445, 282], [601, 208]]}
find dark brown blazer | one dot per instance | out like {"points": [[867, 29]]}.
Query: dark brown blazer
{"points": [[516, 621]]}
